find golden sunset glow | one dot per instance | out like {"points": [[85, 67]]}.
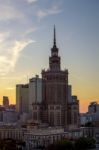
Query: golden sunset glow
{"points": [[26, 39]]}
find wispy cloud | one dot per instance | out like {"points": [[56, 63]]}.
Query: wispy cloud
{"points": [[10, 88], [55, 9], [16, 26], [29, 31], [8, 12], [8, 62], [32, 1], [3, 36]]}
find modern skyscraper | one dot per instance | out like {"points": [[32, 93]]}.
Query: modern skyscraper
{"points": [[22, 98], [35, 91], [28, 94]]}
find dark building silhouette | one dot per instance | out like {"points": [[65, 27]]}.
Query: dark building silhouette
{"points": [[55, 89], [58, 106], [5, 101], [55, 105]]}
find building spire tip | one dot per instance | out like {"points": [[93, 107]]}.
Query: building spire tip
{"points": [[54, 36]]}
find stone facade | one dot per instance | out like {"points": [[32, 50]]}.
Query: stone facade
{"points": [[58, 107], [50, 99], [55, 90]]}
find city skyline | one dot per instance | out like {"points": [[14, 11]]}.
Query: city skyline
{"points": [[24, 51]]}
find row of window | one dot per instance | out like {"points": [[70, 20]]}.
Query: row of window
{"points": [[51, 107]]}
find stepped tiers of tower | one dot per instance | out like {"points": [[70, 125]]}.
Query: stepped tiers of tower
{"points": [[55, 90], [57, 107], [55, 87]]}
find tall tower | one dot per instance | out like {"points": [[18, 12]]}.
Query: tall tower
{"points": [[55, 88], [54, 60]]}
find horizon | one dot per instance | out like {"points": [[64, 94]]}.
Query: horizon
{"points": [[26, 37]]}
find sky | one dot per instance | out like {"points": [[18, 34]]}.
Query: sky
{"points": [[26, 37]]}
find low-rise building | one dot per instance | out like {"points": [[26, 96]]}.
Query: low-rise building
{"points": [[10, 116], [7, 132]]}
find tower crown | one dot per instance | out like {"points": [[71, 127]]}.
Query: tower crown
{"points": [[54, 50], [54, 60]]}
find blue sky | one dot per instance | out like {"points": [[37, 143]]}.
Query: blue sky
{"points": [[26, 36]]}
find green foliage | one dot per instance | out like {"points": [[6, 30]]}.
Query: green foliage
{"points": [[10, 144], [80, 144], [91, 142], [61, 145], [7, 145], [84, 143], [89, 124]]}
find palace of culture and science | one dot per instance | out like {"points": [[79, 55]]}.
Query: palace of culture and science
{"points": [[49, 100]]}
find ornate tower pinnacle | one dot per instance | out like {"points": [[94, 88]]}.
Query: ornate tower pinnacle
{"points": [[54, 36], [54, 60]]}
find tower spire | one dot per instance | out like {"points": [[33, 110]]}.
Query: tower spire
{"points": [[54, 36]]}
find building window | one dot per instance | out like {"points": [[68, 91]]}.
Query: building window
{"points": [[35, 116], [75, 107], [34, 107], [51, 107], [57, 107], [51, 118], [58, 118], [69, 117], [75, 118]]}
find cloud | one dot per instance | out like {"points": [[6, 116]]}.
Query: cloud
{"points": [[3, 36], [32, 1], [17, 21], [8, 62], [18, 47], [15, 30], [55, 9], [9, 12], [10, 88], [29, 31]]}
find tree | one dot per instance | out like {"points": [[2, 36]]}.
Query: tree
{"points": [[61, 145], [91, 142], [84, 143], [10, 144], [89, 124]]}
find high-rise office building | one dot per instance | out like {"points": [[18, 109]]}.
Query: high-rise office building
{"points": [[35, 91], [28, 94], [22, 98]]}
